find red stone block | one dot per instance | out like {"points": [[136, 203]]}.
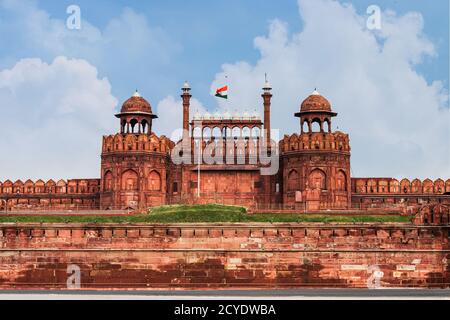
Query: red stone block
{"points": [[341, 232], [173, 232], [314, 233], [146, 232], [64, 233], [201, 232], [256, 233], [229, 232], [326, 233], [160, 231], [270, 232], [242, 232], [50, 233], [187, 233], [119, 233], [132, 233], [383, 233], [215, 233], [106, 233], [77, 233]]}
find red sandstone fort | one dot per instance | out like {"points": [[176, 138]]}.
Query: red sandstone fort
{"points": [[138, 171]]}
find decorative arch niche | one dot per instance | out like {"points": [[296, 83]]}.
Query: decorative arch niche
{"points": [[154, 181], [130, 180], [108, 181], [293, 180], [341, 181], [317, 179]]}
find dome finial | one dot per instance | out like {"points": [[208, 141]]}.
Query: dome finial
{"points": [[186, 87], [315, 92], [136, 94], [267, 86]]}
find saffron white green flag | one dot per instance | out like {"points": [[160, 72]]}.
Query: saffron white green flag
{"points": [[222, 92]]}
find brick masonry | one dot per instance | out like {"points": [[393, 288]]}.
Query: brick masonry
{"points": [[228, 256]]}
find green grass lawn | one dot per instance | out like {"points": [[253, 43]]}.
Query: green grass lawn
{"points": [[205, 213]]}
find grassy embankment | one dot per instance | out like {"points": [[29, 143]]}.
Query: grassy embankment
{"points": [[205, 213]]}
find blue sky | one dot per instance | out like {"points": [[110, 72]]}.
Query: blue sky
{"points": [[211, 33], [382, 83]]}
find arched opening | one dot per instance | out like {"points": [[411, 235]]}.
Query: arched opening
{"points": [[236, 132], [305, 126], [145, 126], [206, 133], [130, 180], [256, 132], [246, 132], [326, 126], [197, 133], [372, 186], [108, 181], [133, 123], [216, 132], [293, 180], [341, 181], [154, 181], [317, 179], [315, 125]]}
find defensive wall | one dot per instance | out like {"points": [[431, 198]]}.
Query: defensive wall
{"points": [[224, 256]]}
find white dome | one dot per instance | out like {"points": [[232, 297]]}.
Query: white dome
{"points": [[197, 116], [255, 115], [217, 115], [226, 115], [236, 115], [207, 116], [245, 115]]}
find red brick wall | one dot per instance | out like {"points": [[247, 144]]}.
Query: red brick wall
{"points": [[224, 256]]}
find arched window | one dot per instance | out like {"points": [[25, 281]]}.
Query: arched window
{"points": [[216, 132], [154, 181], [372, 186], [236, 132], [341, 181], [197, 133], [134, 128], [108, 181], [305, 126], [315, 126], [130, 180], [206, 133], [293, 181], [317, 179]]}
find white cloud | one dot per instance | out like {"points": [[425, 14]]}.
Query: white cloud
{"points": [[54, 116], [127, 48], [398, 123]]}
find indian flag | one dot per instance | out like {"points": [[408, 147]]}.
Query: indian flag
{"points": [[222, 92]]}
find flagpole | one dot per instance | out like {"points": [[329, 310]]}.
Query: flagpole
{"points": [[199, 164]]}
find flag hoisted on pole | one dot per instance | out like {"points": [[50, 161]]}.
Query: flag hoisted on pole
{"points": [[223, 91]]}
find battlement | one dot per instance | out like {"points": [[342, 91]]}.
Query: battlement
{"points": [[393, 186], [136, 142], [72, 186], [335, 141]]}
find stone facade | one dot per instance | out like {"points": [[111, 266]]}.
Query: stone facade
{"points": [[212, 256], [138, 169]]}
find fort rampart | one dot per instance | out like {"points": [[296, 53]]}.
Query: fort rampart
{"points": [[212, 256]]}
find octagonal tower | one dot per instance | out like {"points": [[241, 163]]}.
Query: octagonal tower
{"points": [[316, 163], [134, 161]]}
